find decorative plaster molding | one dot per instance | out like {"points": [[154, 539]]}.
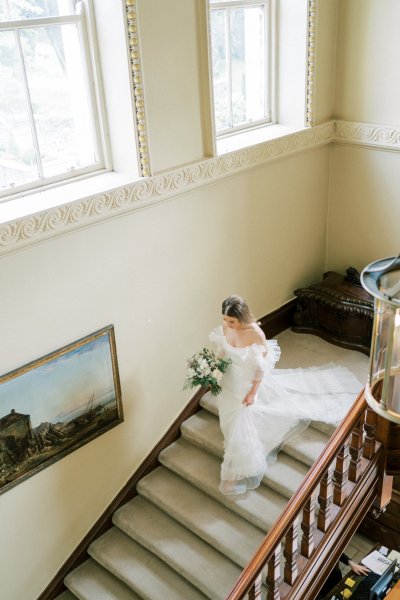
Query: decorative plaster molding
{"points": [[138, 94], [368, 134], [151, 190], [311, 62]]}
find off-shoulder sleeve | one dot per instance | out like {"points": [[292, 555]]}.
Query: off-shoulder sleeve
{"points": [[273, 352], [217, 337], [264, 357]]}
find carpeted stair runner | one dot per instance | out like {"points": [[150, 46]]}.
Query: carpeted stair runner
{"points": [[180, 538], [67, 596]]}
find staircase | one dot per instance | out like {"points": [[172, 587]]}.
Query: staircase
{"points": [[180, 538]]}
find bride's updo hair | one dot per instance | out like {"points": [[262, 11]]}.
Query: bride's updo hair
{"points": [[237, 307]]}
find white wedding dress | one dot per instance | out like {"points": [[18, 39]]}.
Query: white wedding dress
{"points": [[285, 403]]}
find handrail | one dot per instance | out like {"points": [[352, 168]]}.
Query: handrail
{"points": [[273, 538]]}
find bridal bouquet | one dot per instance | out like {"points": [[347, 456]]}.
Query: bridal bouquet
{"points": [[206, 369]]}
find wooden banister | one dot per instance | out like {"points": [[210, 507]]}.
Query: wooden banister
{"points": [[320, 474]]}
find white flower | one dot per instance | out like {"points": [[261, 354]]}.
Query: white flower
{"points": [[217, 374], [191, 373], [203, 368]]}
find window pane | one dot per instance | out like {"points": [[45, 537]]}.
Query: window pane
{"points": [[2, 10], [248, 64], [17, 154], [59, 97], [34, 9], [220, 68], [238, 59]]}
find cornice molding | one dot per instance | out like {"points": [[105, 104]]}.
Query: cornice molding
{"points": [[36, 228], [368, 134]]}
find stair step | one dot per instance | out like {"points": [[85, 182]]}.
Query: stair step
{"points": [[90, 581], [207, 518], [67, 595], [284, 476], [261, 507], [203, 430], [307, 447], [210, 403], [199, 563], [323, 427], [141, 570]]}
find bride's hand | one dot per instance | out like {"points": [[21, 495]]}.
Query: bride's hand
{"points": [[249, 399]]}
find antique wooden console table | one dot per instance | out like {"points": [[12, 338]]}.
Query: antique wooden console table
{"points": [[337, 309]]}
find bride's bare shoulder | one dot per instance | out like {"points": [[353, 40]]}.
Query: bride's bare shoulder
{"points": [[257, 334]]}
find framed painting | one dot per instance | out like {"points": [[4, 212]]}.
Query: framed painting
{"points": [[56, 404]]}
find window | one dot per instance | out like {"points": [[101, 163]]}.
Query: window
{"points": [[49, 107], [241, 57]]}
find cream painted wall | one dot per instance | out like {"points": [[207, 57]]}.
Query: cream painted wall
{"points": [[159, 275], [365, 209], [364, 212], [169, 34], [292, 63], [368, 86], [325, 69]]}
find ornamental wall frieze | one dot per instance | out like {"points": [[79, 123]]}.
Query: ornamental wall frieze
{"points": [[151, 190], [368, 134]]}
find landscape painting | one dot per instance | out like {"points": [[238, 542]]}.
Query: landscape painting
{"points": [[54, 405]]}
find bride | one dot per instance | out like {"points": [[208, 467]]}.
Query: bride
{"points": [[260, 407]]}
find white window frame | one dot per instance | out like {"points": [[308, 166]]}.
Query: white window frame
{"points": [[269, 49], [86, 28]]}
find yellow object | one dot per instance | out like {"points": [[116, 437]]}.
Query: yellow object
{"points": [[350, 582], [346, 593]]}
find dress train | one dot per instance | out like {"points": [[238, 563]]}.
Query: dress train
{"points": [[286, 402]]}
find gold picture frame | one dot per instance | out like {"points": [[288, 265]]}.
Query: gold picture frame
{"points": [[56, 404]]}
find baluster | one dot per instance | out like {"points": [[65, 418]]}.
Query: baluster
{"points": [[370, 433], [308, 526], [325, 500], [356, 449], [341, 475], [291, 553], [255, 592], [274, 575]]}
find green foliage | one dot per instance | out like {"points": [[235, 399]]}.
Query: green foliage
{"points": [[205, 368]]}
